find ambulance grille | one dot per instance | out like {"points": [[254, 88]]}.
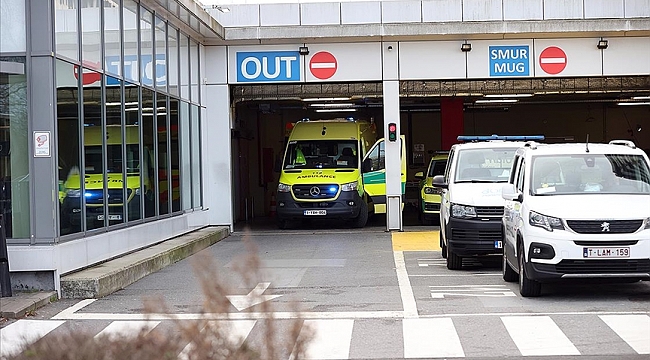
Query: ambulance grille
{"points": [[315, 191]]}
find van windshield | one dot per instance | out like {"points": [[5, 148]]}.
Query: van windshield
{"points": [[484, 165], [590, 173], [321, 154], [94, 163]]}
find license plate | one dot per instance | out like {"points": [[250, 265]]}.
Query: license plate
{"points": [[498, 244], [315, 212], [606, 252], [110, 217]]}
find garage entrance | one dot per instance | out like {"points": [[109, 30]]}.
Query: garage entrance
{"points": [[562, 109]]}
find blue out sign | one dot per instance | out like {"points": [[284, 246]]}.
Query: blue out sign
{"points": [[509, 60], [268, 66]]}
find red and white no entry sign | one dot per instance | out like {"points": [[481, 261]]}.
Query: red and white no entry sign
{"points": [[552, 60], [323, 65]]}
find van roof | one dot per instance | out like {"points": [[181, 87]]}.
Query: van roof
{"points": [[496, 144], [581, 148]]}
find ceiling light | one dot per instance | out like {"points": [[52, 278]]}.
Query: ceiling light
{"points": [[331, 105], [336, 110], [640, 97], [327, 99], [496, 101], [630, 103], [507, 95]]}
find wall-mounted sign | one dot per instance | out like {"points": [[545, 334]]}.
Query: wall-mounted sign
{"points": [[42, 144], [268, 66], [323, 65], [511, 60], [552, 60]]}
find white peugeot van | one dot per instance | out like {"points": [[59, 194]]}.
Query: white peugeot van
{"points": [[576, 211], [471, 205]]}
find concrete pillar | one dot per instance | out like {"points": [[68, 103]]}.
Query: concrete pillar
{"points": [[393, 150]]}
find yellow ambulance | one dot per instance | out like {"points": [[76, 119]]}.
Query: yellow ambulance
{"points": [[333, 169]]}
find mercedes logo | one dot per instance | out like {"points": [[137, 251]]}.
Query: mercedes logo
{"points": [[314, 191]]}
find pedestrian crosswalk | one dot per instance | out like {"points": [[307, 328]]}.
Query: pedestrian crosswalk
{"points": [[556, 335]]}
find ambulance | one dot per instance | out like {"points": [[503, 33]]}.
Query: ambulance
{"points": [[70, 192], [334, 169]]}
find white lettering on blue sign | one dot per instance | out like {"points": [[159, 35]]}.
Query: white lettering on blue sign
{"points": [[509, 60], [268, 66], [145, 65]]}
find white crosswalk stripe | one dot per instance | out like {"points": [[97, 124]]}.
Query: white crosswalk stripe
{"points": [[425, 337], [13, 336], [634, 329], [127, 328], [538, 336]]}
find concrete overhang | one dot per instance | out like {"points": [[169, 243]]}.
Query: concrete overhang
{"points": [[190, 17], [437, 31]]}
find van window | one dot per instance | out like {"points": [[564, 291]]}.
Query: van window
{"points": [[437, 167], [378, 157], [450, 161], [321, 154], [589, 173], [484, 165]]}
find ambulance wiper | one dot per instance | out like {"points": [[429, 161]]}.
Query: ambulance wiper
{"points": [[478, 181]]}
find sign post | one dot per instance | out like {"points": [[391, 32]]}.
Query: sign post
{"points": [[5, 280]]}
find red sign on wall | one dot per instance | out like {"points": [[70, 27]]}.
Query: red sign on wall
{"points": [[552, 60], [323, 65]]}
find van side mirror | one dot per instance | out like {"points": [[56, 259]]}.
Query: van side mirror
{"points": [[419, 175], [439, 182], [366, 166], [510, 192]]}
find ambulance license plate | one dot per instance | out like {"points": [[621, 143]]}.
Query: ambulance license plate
{"points": [[606, 252], [315, 212], [110, 217]]}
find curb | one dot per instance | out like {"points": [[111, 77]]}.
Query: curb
{"points": [[22, 304], [116, 274]]}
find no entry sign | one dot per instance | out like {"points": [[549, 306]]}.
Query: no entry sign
{"points": [[323, 65], [552, 60]]}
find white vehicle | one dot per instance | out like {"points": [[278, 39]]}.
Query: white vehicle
{"points": [[471, 206], [577, 211]]}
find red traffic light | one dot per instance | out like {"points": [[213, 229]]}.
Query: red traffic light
{"points": [[392, 132], [392, 127]]}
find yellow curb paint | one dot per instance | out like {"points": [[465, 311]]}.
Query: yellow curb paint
{"points": [[416, 241]]}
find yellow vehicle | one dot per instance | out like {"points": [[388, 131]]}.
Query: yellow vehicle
{"points": [[429, 212], [70, 194], [333, 169]]}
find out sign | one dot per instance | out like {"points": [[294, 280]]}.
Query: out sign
{"points": [[268, 66], [509, 60]]}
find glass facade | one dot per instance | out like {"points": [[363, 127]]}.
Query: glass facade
{"points": [[121, 126], [14, 148]]}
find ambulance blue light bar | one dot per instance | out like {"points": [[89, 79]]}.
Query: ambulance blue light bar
{"points": [[471, 138]]}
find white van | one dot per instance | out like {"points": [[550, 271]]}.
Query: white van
{"points": [[472, 207], [577, 211]]}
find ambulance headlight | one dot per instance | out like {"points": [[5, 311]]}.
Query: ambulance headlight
{"points": [[73, 193], [284, 187], [350, 186], [429, 190], [545, 222], [463, 211], [137, 191]]}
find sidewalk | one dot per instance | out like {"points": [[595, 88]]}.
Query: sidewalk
{"points": [[106, 278]]}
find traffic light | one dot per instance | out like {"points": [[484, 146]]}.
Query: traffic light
{"points": [[392, 132]]}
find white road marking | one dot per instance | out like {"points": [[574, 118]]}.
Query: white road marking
{"points": [[65, 314], [538, 336], [131, 328], [236, 331], [633, 329], [287, 315], [254, 297], [330, 338], [405, 289], [14, 337], [429, 338], [442, 291]]}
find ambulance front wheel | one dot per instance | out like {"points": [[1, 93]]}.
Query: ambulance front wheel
{"points": [[361, 219]]}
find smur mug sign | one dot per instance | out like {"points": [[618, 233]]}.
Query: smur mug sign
{"points": [[509, 60]]}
